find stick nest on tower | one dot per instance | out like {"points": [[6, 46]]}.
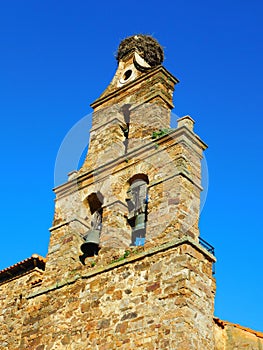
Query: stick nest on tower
{"points": [[147, 47]]}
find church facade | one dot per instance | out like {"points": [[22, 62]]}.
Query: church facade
{"points": [[126, 267]]}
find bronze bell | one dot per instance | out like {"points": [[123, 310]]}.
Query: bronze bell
{"points": [[140, 222], [91, 245], [139, 230]]}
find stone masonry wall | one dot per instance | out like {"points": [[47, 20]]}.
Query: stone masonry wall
{"points": [[152, 299], [172, 164], [12, 302]]}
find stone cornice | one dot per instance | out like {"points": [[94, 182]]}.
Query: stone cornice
{"points": [[139, 256], [63, 223], [178, 135], [129, 86]]}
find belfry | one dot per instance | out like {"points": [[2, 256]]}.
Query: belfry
{"points": [[126, 267]]}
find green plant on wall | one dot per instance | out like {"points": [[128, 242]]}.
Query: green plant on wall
{"points": [[160, 133], [124, 256]]}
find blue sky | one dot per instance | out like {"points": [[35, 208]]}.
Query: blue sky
{"points": [[58, 56]]}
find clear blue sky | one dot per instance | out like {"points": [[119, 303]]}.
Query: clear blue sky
{"points": [[58, 56]]}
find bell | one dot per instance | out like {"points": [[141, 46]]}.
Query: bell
{"points": [[140, 222], [91, 245], [139, 230]]}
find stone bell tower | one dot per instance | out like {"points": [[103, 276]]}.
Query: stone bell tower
{"points": [[126, 268], [129, 216]]}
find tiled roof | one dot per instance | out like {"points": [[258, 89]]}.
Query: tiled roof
{"points": [[222, 324], [23, 267]]}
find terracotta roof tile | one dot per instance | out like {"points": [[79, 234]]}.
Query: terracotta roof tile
{"points": [[23, 266], [222, 324]]}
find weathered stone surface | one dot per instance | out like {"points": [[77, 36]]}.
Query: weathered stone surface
{"points": [[92, 309]]}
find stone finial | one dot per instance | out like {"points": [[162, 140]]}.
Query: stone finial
{"points": [[186, 121], [147, 47], [72, 175]]}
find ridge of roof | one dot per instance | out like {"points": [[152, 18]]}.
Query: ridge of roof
{"points": [[222, 324]]}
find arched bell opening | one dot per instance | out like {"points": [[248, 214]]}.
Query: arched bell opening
{"points": [[137, 200], [90, 247]]}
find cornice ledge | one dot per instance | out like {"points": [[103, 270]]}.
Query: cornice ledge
{"points": [[139, 256], [116, 92], [66, 188]]}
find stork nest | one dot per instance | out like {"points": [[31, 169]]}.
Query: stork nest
{"points": [[148, 48]]}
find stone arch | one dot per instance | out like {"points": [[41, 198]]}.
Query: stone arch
{"points": [[95, 201], [140, 176]]}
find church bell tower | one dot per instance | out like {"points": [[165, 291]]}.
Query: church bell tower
{"points": [[134, 205]]}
